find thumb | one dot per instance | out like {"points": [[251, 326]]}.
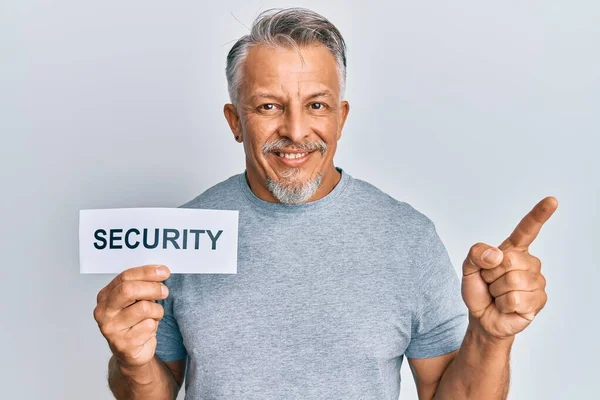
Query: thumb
{"points": [[475, 290], [482, 256]]}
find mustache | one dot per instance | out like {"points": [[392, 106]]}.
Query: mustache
{"points": [[287, 144]]}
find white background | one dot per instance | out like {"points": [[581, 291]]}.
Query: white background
{"points": [[469, 111]]}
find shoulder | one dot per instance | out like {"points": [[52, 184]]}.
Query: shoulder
{"points": [[223, 195], [394, 213]]}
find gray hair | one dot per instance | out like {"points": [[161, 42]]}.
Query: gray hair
{"points": [[289, 28], [292, 193]]}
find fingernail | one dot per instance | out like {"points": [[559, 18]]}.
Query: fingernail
{"points": [[164, 290], [161, 271], [490, 255]]}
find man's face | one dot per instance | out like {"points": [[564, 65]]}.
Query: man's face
{"points": [[290, 118]]}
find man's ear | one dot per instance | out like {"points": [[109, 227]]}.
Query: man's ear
{"points": [[344, 110], [233, 119]]}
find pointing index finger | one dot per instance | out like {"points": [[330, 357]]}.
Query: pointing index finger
{"points": [[530, 226]]}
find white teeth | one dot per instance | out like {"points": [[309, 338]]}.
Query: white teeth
{"points": [[292, 156]]}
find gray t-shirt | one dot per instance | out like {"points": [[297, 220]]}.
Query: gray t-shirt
{"points": [[328, 298]]}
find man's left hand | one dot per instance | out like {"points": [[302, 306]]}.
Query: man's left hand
{"points": [[503, 286]]}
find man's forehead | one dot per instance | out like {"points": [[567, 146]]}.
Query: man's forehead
{"points": [[281, 69]]}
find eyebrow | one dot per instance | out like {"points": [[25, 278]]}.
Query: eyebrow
{"points": [[264, 95], [322, 93]]}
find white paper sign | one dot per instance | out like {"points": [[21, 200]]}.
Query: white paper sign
{"points": [[185, 240]]}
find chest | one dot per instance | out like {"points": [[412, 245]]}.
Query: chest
{"points": [[299, 304]]}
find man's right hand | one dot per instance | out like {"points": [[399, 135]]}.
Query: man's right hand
{"points": [[128, 315]]}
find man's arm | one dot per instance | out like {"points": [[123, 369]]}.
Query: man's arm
{"points": [[427, 373], [504, 290], [154, 380], [478, 370]]}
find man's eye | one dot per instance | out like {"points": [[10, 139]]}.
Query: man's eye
{"points": [[267, 107], [317, 106]]}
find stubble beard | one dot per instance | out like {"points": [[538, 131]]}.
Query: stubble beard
{"points": [[289, 189]]}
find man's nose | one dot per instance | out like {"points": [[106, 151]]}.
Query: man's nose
{"points": [[295, 125]]}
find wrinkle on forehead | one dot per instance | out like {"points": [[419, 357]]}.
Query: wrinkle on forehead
{"points": [[284, 71]]}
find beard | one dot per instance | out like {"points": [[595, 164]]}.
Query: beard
{"points": [[290, 188]]}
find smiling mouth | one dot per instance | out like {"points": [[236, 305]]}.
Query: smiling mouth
{"points": [[292, 156]]}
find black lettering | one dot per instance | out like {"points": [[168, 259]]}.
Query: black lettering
{"points": [[197, 232], [102, 240], [214, 238], [185, 239], [114, 237], [173, 239], [137, 242], [153, 245]]}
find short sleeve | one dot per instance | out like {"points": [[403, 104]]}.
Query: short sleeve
{"points": [[440, 317], [169, 340]]}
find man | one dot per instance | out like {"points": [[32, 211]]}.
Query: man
{"points": [[336, 281]]}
